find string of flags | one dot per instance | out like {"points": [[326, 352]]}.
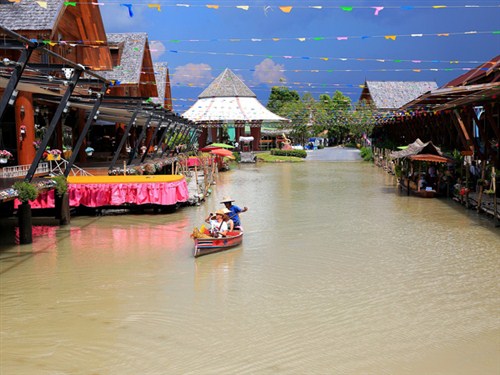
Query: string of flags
{"points": [[393, 37], [376, 9], [344, 59]]}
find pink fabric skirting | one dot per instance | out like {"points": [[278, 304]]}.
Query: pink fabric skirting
{"points": [[97, 195]]}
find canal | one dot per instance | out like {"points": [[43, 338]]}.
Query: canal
{"points": [[338, 274]]}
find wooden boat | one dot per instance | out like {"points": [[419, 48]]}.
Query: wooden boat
{"points": [[204, 246]]}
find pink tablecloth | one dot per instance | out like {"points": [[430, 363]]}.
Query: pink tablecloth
{"points": [[96, 195]]}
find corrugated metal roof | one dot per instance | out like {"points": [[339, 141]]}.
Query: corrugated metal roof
{"points": [[478, 73], [227, 84], [391, 95], [28, 15], [129, 70]]}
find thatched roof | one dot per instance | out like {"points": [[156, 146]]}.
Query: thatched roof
{"points": [[161, 70], [391, 95], [416, 148], [29, 15], [228, 99], [129, 70], [227, 84]]}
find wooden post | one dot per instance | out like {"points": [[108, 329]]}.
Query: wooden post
{"points": [[65, 215], [25, 223], [495, 201], [481, 187]]}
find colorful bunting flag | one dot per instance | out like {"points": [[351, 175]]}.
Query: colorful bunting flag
{"points": [[129, 7], [42, 4], [287, 9], [377, 10], [157, 6]]}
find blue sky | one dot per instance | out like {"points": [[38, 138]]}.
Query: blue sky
{"points": [[317, 47]]}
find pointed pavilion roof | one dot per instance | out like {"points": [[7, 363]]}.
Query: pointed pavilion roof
{"points": [[227, 84], [228, 99]]}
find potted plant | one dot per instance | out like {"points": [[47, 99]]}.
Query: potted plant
{"points": [[61, 185], [5, 156], [54, 154], [26, 192]]}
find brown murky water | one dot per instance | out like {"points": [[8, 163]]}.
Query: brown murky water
{"points": [[337, 275]]}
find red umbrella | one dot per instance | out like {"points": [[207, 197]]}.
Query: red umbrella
{"points": [[222, 152], [209, 148]]}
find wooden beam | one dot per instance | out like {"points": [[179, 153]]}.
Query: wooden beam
{"points": [[462, 131], [488, 111]]}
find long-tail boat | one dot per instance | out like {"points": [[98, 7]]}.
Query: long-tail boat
{"points": [[204, 246]]}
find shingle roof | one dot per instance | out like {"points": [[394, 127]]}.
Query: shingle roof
{"points": [[227, 84], [28, 15], [161, 79], [394, 94], [129, 70]]}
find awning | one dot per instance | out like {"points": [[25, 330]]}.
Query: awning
{"points": [[430, 158]]}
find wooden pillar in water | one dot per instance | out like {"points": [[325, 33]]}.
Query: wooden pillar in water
{"points": [[25, 223]]}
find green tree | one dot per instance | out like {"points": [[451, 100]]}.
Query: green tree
{"points": [[279, 96], [363, 119]]}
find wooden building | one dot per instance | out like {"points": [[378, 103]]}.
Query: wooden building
{"points": [[462, 115], [74, 32]]}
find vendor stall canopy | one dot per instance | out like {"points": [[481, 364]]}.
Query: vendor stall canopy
{"points": [[417, 148]]}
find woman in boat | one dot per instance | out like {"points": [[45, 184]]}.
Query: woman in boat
{"points": [[234, 212], [218, 227]]}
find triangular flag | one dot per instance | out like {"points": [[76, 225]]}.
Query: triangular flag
{"points": [[210, 6], [393, 37], [316, 7], [439, 6], [182, 5], [276, 39], [443, 35], [301, 39], [129, 6], [70, 3], [417, 35], [43, 4], [244, 7], [342, 38], [377, 10], [286, 9], [324, 58], [346, 9], [15, 1], [157, 6]]}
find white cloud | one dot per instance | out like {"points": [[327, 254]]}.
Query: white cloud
{"points": [[192, 74], [157, 49], [268, 72]]}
